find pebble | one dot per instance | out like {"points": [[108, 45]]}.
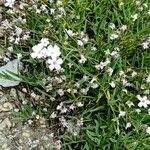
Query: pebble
{"points": [[2, 31], [6, 107], [5, 123], [26, 133], [1, 2]]}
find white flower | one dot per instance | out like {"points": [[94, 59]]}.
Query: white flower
{"points": [[80, 43], [121, 73], [145, 45], [134, 74], [83, 59], [52, 10], [148, 79], [144, 102], [26, 36], [122, 113], [149, 111], [37, 51], [137, 2], [18, 31], [43, 8], [59, 107], [93, 48], [69, 32], [140, 8], [130, 104], [134, 17], [147, 92], [44, 42], [112, 84], [72, 107], [115, 54], [44, 50], [84, 90], [6, 24], [79, 104], [114, 36], [94, 85], [93, 79], [107, 52], [148, 130], [17, 40], [145, 5], [53, 115], [123, 28], [9, 3], [61, 10], [128, 125], [85, 39], [112, 26], [10, 49], [80, 122], [125, 82], [53, 51], [110, 71], [61, 92], [102, 64], [125, 90], [55, 64], [64, 110], [137, 110]]}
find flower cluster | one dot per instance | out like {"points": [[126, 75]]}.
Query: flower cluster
{"points": [[117, 33], [144, 102], [72, 127], [104, 64], [49, 52], [146, 43], [9, 3]]}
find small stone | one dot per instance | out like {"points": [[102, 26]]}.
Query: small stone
{"points": [[37, 117], [24, 90], [43, 126], [1, 17], [26, 134], [5, 123], [8, 106], [1, 2], [13, 93], [4, 146], [2, 32], [2, 139], [16, 110]]}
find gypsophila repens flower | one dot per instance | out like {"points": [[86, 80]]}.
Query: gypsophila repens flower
{"points": [[148, 130], [122, 113], [9, 3], [134, 17], [128, 125], [144, 101], [51, 53]]}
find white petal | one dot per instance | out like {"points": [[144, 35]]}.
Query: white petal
{"points": [[144, 105], [139, 97], [57, 67], [59, 61], [56, 48], [51, 67], [33, 55], [140, 104], [148, 102], [50, 61]]}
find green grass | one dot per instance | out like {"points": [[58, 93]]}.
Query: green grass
{"points": [[102, 128]]}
